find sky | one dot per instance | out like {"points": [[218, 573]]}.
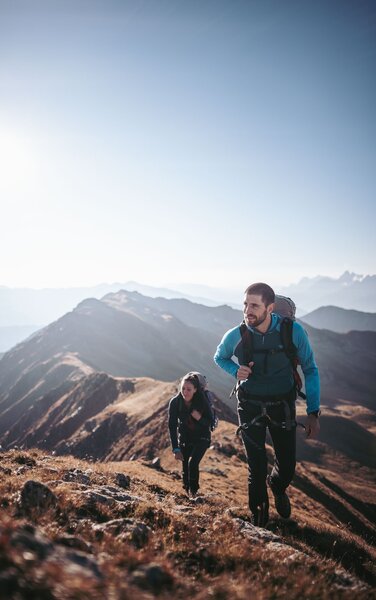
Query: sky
{"points": [[216, 142]]}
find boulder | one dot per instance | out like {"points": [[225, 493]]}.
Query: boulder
{"points": [[36, 496]]}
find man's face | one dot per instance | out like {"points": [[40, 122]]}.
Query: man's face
{"points": [[255, 311]]}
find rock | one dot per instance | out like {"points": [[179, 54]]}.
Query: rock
{"points": [[77, 476], [83, 564], [122, 480], [152, 577], [214, 471], [21, 470], [36, 496], [27, 539], [256, 533], [107, 494], [5, 471], [92, 497], [31, 546], [137, 532], [198, 500], [72, 541], [154, 464]]}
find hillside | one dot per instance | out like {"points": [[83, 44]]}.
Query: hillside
{"points": [[96, 416], [340, 320], [108, 418], [130, 335], [126, 335], [72, 529]]}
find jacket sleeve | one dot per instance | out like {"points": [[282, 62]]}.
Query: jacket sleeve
{"points": [[309, 367], [173, 422], [225, 351]]}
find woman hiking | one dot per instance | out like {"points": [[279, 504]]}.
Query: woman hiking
{"points": [[189, 420]]}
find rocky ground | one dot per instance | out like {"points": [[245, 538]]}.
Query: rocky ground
{"points": [[70, 529]]}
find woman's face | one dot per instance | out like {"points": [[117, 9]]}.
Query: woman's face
{"points": [[187, 390]]}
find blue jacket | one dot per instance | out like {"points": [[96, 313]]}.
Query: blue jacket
{"points": [[278, 377]]}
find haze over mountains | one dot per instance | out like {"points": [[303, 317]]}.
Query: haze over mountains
{"points": [[340, 320], [348, 291], [23, 311]]}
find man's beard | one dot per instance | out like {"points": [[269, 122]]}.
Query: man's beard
{"points": [[259, 321]]}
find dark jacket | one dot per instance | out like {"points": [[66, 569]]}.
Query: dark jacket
{"points": [[184, 429]]}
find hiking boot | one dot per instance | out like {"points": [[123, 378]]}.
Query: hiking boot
{"points": [[260, 516], [282, 503]]}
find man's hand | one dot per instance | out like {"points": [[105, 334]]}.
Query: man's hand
{"points": [[312, 426], [178, 456], [244, 372], [196, 415]]}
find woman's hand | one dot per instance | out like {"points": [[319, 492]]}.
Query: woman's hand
{"points": [[196, 415]]}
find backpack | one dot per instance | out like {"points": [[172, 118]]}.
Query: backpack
{"points": [[202, 382], [285, 307]]}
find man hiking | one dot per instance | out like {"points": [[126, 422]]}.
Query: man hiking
{"points": [[266, 392]]}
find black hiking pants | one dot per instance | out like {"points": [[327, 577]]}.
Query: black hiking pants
{"points": [[192, 455], [256, 413]]}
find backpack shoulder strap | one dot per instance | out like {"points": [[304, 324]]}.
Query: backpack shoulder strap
{"points": [[291, 352], [247, 342], [286, 338]]}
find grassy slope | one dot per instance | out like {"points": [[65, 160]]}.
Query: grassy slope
{"points": [[325, 551]]}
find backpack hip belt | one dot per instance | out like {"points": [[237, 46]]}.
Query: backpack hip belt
{"points": [[268, 399], [264, 418]]}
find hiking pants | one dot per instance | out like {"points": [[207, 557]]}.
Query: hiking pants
{"points": [[254, 436], [192, 455]]}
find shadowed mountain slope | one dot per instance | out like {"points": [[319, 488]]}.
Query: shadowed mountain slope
{"points": [[340, 320], [123, 339], [97, 416]]}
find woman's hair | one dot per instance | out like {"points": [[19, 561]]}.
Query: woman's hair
{"points": [[198, 401], [189, 378]]}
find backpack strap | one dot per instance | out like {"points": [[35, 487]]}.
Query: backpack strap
{"points": [[288, 348], [291, 352], [247, 342], [248, 347]]}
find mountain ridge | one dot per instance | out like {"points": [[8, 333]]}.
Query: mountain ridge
{"points": [[340, 320]]}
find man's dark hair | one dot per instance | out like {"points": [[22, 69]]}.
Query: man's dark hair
{"points": [[262, 289]]}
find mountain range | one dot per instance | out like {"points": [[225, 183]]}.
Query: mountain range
{"points": [[341, 320], [80, 362], [350, 290], [24, 311]]}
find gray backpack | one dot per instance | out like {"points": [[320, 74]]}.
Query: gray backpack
{"points": [[285, 307]]}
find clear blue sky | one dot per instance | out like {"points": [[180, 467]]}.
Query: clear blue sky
{"points": [[198, 141]]}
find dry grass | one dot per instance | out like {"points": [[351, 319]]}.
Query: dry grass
{"points": [[199, 547]]}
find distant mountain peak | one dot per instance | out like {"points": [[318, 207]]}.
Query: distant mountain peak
{"points": [[348, 278]]}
